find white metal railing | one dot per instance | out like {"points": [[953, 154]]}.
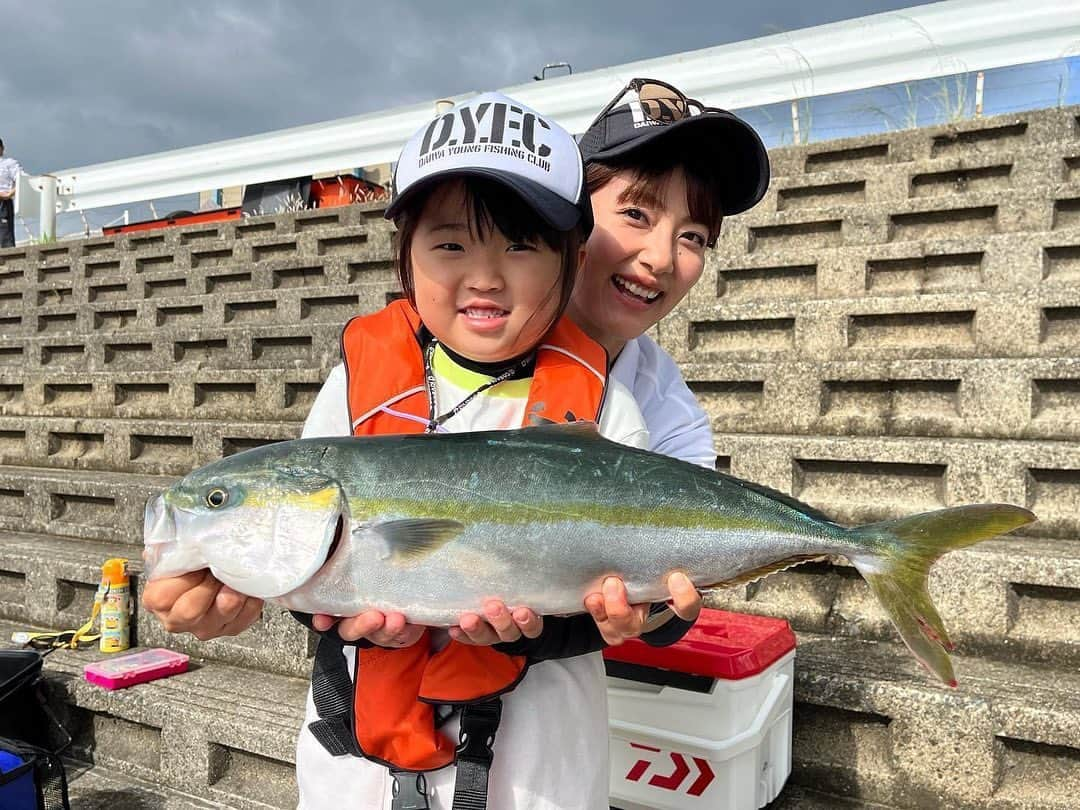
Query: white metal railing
{"points": [[917, 43]]}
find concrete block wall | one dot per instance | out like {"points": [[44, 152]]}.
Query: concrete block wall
{"points": [[125, 362], [895, 328]]}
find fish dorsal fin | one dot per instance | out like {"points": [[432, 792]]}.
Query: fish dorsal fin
{"points": [[777, 495], [412, 539], [581, 429], [755, 574]]}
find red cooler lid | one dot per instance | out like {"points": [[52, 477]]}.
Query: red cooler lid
{"points": [[723, 645]]}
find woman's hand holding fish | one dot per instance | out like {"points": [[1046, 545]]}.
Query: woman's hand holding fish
{"points": [[498, 624], [381, 629], [199, 604], [618, 620]]}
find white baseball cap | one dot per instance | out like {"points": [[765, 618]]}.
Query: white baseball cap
{"points": [[494, 136]]}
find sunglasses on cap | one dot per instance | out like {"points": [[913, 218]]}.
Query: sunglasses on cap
{"points": [[658, 100]]}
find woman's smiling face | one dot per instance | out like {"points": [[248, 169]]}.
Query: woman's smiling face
{"points": [[641, 260]]}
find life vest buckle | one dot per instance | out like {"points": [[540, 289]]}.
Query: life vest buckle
{"points": [[479, 722], [410, 791]]}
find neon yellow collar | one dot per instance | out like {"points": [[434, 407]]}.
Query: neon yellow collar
{"points": [[459, 376]]}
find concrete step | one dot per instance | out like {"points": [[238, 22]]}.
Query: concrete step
{"points": [[899, 269], [100, 787], [148, 446], [50, 582], [218, 733], [353, 255], [870, 726], [850, 221], [861, 479], [1004, 599], [999, 398], [94, 505], [870, 723], [1033, 323], [1017, 163], [365, 290], [204, 395], [1050, 130], [1052, 171], [315, 345], [797, 797], [271, 230]]}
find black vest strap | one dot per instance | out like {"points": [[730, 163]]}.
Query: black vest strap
{"points": [[332, 693], [479, 722]]}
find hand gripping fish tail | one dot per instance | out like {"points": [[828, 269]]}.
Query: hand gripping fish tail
{"points": [[897, 560]]}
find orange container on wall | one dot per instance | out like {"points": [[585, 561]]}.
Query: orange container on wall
{"points": [[178, 218], [331, 192]]}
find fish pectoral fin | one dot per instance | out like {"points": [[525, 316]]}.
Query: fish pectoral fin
{"points": [[754, 574], [411, 539]]}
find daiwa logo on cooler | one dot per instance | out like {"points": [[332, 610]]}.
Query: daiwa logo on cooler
{"points": [[490, 127]]}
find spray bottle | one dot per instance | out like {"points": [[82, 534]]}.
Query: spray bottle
{"points": [[115, 593]]}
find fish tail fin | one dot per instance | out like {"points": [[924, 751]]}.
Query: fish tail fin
{"points": [[895, 558]]}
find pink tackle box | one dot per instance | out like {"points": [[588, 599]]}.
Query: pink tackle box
{"points": [[138, 667]]}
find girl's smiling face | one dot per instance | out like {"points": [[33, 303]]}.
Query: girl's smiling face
{"points": [[645, 253], [481, 294]]}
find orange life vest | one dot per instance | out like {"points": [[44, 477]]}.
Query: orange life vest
{"points": [[395, 690]]}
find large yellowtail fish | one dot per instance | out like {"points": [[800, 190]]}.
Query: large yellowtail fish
{"points": [[432, 526]]}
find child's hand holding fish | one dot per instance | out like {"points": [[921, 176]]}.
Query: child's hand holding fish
{"points": [[610, 608], [382, 629]]}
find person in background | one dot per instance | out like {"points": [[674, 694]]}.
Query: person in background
{"points": [[9, 173]]}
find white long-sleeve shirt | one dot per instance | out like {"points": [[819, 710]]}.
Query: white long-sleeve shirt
{"points": [[677, 426], [9, 171]]}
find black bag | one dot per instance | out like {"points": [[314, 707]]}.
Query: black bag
{"points": [[39, 784], [30, 731]]}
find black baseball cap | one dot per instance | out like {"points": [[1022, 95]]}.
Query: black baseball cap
{"points": [[718, 139]]}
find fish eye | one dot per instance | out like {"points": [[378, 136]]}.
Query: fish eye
{"points": [[217, 498]]}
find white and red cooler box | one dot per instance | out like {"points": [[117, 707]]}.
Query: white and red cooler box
{"points": [[706, 722]]}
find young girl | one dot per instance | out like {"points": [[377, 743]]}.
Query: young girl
{"points": [[492, 213]]}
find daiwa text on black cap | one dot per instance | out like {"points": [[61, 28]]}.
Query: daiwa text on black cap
{"points": [[719, 140], [494, 136]]}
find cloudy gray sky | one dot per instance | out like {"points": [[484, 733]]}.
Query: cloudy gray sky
{"points": [[88, 82]]}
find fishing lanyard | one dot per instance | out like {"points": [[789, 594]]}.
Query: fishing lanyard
{"points": [[435, 422]]}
